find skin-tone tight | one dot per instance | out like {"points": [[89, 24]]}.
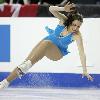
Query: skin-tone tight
{"points": [[43, 48]]}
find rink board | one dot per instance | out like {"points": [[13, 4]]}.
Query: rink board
{"points": [[57, 80]]}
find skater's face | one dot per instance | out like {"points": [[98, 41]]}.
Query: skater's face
{"points": [[74, 27]]}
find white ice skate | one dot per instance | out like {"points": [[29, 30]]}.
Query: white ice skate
{"points": [[4, 84]]}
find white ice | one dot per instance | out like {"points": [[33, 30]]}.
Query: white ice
{"points": [[49, 94]]}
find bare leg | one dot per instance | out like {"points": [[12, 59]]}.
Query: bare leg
{"points": [[37, 54], [44, 48], [13, 75], [33, 50], [53, 53]]}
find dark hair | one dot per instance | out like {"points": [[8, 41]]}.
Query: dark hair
{"points": [[72, 17]]}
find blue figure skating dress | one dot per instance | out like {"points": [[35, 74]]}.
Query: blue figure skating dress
{"points": [[60, 41]]}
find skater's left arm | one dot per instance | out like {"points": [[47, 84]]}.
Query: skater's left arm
{"points": [[82, 55]]}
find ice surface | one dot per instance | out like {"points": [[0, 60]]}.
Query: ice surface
{"points": [[49, 94]]}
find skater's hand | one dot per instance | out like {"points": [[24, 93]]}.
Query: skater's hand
{"points": [[69, 7], [89, 77]]}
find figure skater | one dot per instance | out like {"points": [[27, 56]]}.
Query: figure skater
{"points": [[55, 45]]}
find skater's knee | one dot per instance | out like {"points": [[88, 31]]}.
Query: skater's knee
{"points": [[46, 42], [24, 67]]}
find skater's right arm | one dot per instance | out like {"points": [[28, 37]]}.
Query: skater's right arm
{"points": [[55, 10]]}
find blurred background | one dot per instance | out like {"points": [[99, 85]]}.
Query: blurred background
{"points": [[53, 2], [39, 8]]}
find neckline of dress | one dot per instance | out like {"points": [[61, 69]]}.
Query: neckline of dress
{"points": [[66, 34], [62, 36]]}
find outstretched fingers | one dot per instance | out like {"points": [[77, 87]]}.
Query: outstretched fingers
{"points": [[69, 7], [89, 77]]}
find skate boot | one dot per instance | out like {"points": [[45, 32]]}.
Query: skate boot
{"points": [[4, 84]]}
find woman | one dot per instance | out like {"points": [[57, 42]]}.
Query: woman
{"points": [[55, 45]]}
